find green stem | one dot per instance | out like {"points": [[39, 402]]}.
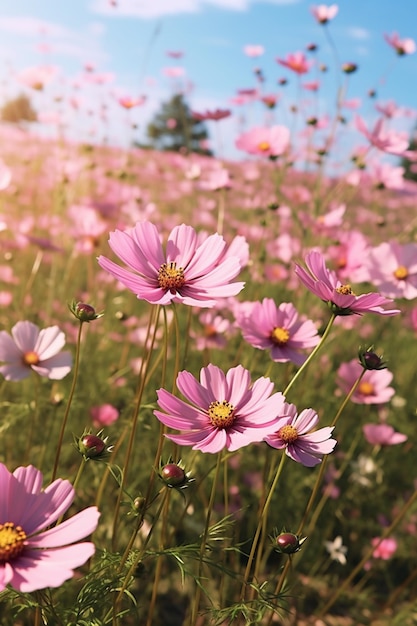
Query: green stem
{"points": [[70, 398]]}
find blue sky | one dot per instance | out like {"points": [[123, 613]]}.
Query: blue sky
{"points": [[130, 38]]}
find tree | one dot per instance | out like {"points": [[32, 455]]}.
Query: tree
{"points": [[174, 128], [17, 110]]}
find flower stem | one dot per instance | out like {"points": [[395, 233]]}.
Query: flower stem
{"points": [[70, 398]]}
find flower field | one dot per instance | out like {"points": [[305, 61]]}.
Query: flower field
{"points": [[208, 381]]}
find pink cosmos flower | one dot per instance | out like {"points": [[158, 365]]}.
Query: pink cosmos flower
{"points": [[103, 415], [265, 141], [390, 141], [401, 46], [279, 329], [127, 102], [374, 387], [31, 557], [86, 228], [224, 411], [324, 13], [382, 435], [302, 443], [32, 349], [386, 548], [37, 77], [213, 331], [342, 300], [253, 50], [296, 62], [189, 272], [392, 267]]}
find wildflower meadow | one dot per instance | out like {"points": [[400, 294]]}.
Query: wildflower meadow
{"points": [[208, 368]]}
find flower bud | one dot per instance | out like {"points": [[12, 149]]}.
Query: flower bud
{"points": [[370, 360], [288, 543], [84, 312], [349, 68], [173, 475], [92, 446]]}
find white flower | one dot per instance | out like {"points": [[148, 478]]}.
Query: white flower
{"points": [[336, 549]]}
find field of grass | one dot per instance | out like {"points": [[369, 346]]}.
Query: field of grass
{"points": [[202, 546]]}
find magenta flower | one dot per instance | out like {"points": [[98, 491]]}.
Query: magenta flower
{"points": [[384, 549], [296, 434], [32, 349], [296, 62], [382, 435], [373, 388], [277, 328], [342, 300], [265, 141], [189, 272], [104, 415], [224, 411], [31, 557], [392, 267]]}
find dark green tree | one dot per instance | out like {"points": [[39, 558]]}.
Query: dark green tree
{"points": [[17, 110], [410, 167], [175, 129]]}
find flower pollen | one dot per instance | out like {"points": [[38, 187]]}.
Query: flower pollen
{"points": [[12, 541], [366, 389], [288, 434], [30, 358], [280, 336], [345, 290], [221, 414], [401, 273], [171, 277], [264, 146]]}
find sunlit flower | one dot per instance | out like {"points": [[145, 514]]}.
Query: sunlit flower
{"points": [[392, 267], [32, 349], [296, 62], [387, 140], [324, 13], [189, 272], [223, 410], [401, 46], [32, 557], [265, 141], [384, 549], [342, 300], [279, 329], [297, 435], [373, 388]]}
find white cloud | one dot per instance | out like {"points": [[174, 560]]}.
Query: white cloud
{"points": [[158, 8], [356, 32], [32, 26]]}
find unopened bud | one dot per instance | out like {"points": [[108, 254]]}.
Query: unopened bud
{"points": [[288, 543]]}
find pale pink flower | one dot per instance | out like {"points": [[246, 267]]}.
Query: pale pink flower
{"points": [[34, 552], [401, 46], [296, 62], [128, 102], [279, 329], [222, 410], [342, 300], [390, 141], [104, 415], [297, 435], [86, 228], [349, 256], [265, 141], [37, 77], [213, 331], [173, 72], [193, 273], [253, 50], [32, 349], [382, 435], [384, 549], [373, 388], [324, 13], [392, 267]]}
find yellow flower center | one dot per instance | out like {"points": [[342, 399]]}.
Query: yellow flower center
{"points": [[288, 433], [221, 414], [210, 331], [401, 272], [171, 277], [12, 541], [345, 290], [264, 146], [30, 358], [280, 336], [366, 389]]}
